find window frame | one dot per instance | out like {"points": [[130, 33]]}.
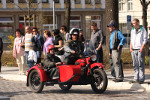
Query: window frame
{"points": [[78, 20], [45, 1], [57, 1], [34, 1], [77, 2], [87, 1], [9, 1], [129, 5], [22, 1], [121, 4], [97, 1]]}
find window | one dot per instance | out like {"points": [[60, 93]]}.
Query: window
{"points": [[77, 1], [44, 1], [130, 5], [56, 1], [87, 1], [6, 28], [121, 5], [9, 1], [22, 1], [97, 1], [34, 1], [89, 21], [75, 21]]}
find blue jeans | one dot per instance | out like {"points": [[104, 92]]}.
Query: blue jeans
{"points": [[139, 65], [29, 63], [100, 55], [38, 53]]}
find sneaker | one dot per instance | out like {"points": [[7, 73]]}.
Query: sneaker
{"points": [[118, 80], [133, 81], [140, 82]]}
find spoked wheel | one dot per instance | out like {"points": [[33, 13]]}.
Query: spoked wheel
{"points": [[100, 81], [65, 87], [35, 82]]}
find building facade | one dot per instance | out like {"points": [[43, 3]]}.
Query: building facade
{"points": [[83, 13], [132, 8]]}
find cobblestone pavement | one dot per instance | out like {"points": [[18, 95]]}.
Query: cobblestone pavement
{"points": [[18, 91]]}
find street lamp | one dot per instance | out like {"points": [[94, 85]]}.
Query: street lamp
{"points": [[53, 14]]}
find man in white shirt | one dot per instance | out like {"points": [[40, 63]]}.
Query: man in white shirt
{"points": [[28, 44], [137, 44]]}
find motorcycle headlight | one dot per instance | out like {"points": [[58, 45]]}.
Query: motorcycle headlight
{"points": [[93, 58]]}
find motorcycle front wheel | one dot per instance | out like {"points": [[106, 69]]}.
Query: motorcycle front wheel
{"points": [[35, 83], [65, 87], [100, 82]]}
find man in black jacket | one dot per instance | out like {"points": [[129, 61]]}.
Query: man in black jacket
{"points": [[38, 42], [73, 48], [51, 61], [1, 51]]}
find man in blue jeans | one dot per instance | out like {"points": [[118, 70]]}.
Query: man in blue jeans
{"points": [[38, 42], [28, 44], [97, 39], [137, 49]]}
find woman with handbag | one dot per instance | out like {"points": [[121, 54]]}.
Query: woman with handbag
{"points": [[19, 52]]}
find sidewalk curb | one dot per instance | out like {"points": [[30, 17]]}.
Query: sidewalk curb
{"points": [[4, 98], [10, 73], [128, 86], [13, 77]]}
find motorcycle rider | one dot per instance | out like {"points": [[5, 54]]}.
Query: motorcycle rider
{"points": [[50, 62], [73, 48]]}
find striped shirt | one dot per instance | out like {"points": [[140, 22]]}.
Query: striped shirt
{"points": [[28, 43]]}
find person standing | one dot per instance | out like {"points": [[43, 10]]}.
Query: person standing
{"points": [[19, 53], [38, 42], [81, 37], [63, 30], [1, 51], [28, 44], [117, 40], [97, 39], [49, 41], [137, 44], [58, 43]]}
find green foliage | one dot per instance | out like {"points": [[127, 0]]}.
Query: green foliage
{"points": [[11, 39], [146, 60]]}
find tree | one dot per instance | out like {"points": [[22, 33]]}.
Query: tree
{"points": [[144, 4], [67, 14], [111, 14], [31, 12]]}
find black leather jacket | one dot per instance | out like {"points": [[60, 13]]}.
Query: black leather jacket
{"points": [[50, 61]]}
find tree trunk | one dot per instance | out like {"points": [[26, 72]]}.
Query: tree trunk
{"points": [[144, 16], [67, 14], [111, 14]]}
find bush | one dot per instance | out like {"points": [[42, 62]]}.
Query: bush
{"points": [[146, 60], [8, 59]]}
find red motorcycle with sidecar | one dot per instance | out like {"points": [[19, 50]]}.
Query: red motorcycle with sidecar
{"points": [[85, 71]]}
